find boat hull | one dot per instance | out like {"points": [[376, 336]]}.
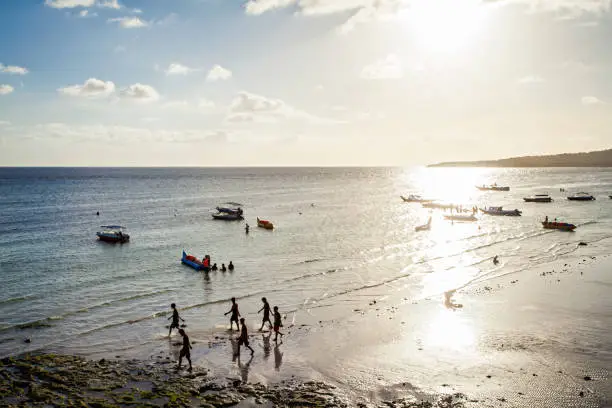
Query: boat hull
{"points": [[590, 198], [265, 224], [113, 239], [537, 200], [492, 188], [515, 213], [227, 217], [561, 226], [195, 264]]}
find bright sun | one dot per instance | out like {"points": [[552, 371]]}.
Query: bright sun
{"points": [[445, 26]]}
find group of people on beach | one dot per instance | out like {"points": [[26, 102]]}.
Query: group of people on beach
{"points": [[235, 317]]}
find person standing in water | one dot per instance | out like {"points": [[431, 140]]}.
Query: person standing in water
{"points": [[186, 350], [246, 229], [266, 314], [175, 319], [277, 323], [235, 315], [223, 268], [244, 338], [230, 266]]}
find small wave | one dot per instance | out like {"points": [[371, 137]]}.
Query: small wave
{"points": [[309, 261], [234, 203], [18, 299], [37, 324]]}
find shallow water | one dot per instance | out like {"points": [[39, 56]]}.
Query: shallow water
{"points": [[342, 236]]}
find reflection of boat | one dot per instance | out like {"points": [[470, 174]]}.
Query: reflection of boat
{"points": [[581, 197], [461, 217], [413, 198], [563, 226], [113, 234], [493, 187], [195, 263], [227, 217], [538, 198], [225, 210], [265, 224], [424, 227], [500, 211]]}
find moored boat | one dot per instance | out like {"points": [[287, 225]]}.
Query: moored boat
{"points": [[563, 226], [538, 198], [113, 234], [227, 216], [414, 198], [265, 224], [461, 217], [501, 211], [493, 187], [195, 263], [582, 196], [226, 210]]}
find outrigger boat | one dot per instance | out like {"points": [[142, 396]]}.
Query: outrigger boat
{"points": [[538, 198], [265, 224], [581, 197], [195, 263], [113, 234], [501, 211], [413, 198], [461, 217], [493, 187], [424, 227], [563, 226]]}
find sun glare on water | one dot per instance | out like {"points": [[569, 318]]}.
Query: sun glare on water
{"points": [[445, 26]]}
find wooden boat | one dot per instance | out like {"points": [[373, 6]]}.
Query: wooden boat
{"points": [[113, 234], [501, 211], [581, 197], [493, 187], [265, 224], [413, 198], [538, 198], [461, 217], [563, 226], [227, 217], [195, 263], [424, 227]]}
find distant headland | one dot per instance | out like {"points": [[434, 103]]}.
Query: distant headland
{"points": [[602, 158]]}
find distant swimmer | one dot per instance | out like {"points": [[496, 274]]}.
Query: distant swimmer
{"points": [[277, 323], [175, 319], [214, 267], [186, 350], [223, 268], [244, 338], [246, 229], [266, 313], [495, 260], [230, 266], [235, 315], [97, 212]]}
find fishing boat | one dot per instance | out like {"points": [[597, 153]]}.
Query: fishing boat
{"points": [[113, 234], [563, 226], [226, 210], [538, 198], [227, 217], [501, 211], [265, 224], [493, 187], [424, 227], [195, 263], [413, 198], [461, 217], [581, 197]]}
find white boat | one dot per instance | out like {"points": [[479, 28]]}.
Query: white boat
{"points": [[538, 198], [501, 211], [113, 234]]}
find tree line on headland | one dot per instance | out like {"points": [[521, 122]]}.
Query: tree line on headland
{"points": [[602, 158]]}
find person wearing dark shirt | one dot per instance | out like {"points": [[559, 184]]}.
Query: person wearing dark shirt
{"points": [[230, 266], [186, 350], [277, 323], [266, 313], [235, 315], [244, 338], [175, 319]]}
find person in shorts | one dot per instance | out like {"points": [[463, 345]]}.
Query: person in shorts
{"points": [[186, 350], [175, 319], [277, 323], [266, 313], [243, 340], [235, 315]]}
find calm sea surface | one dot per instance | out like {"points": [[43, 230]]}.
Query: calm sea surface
{"points": [[339, 232]]}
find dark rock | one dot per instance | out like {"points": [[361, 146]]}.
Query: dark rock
{"points": [[581, 394], [587, 378], [27, 340], [582, 244]]}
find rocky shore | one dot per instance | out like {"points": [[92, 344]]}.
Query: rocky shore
{"points": [[70, 381]]}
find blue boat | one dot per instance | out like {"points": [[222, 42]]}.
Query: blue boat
{"points": [[192, 261]]}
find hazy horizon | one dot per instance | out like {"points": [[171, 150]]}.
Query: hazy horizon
{"points": [[301, 83]]}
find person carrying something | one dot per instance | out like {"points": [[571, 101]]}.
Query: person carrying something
{"points": [[235, 315], [175, 319]]}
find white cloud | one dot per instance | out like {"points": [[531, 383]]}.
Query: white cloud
{"points": [[92, 88], [13, 69], [218, 73], [389, 67], [5, 123], [175, 104], [591, 100], [69, 3], [205, 104], [530, 80], [257, 7], [112, 4], [178, 69], [573, 7], [6, 89], [140, 92], [129, 22], [86, 14], [137, 11]]}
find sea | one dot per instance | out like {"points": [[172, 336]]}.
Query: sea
{"points": [[339, 233]]}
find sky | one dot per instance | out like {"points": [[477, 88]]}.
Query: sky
{"points": [[301, 82]]}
